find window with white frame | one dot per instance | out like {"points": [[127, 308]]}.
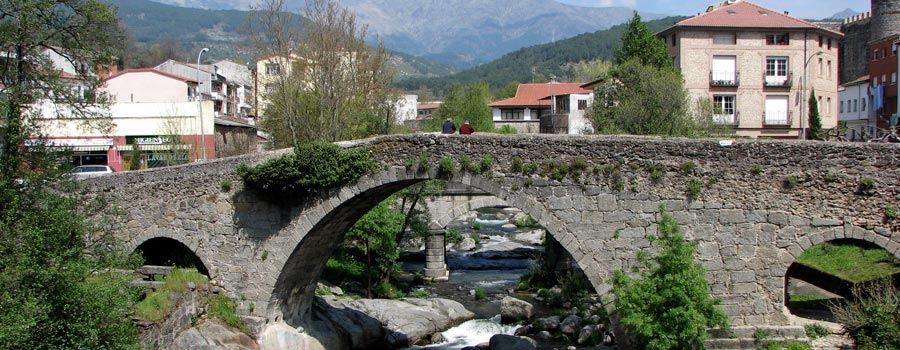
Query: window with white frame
{"points": [[724, 109], [724, 69], [512, 114], [776, 70], [273, 68]]}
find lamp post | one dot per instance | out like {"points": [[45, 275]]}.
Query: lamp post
{"points": [[200, 107], [803, 95]]}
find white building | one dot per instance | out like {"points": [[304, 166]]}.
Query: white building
{"points": [[553, 108], [406, 108], [854, 108]]}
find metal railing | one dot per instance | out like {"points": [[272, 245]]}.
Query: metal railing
{"points": [[724, 79], [778, 119], [778, 81], [727, 119], [555, 124]]}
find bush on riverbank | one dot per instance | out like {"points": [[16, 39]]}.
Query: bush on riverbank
{"points": [[668, 304], [872, 316]]}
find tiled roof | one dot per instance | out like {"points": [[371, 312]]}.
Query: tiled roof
{"points": [[428, 105], [538, 94], [151, 70], [745, 14]]}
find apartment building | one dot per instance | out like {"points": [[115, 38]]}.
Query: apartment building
{"points": [[750, 62], [551, 108]]}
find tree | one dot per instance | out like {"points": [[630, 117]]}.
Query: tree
{"points": [[815, 121], [507, 91], [469, 102], [668, 305], [587, 71], [640, 99], [638, 42], [331, 85], [55, 294]]}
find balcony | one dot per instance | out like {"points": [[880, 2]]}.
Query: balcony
{"points": [[724, 79], [778, 81], [778, 119], [727, 119], [555, 124]]}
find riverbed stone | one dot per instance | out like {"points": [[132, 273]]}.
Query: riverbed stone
{"points": [[514, 310], [550, 323], [467, 244], [511, 342], [587, 332], [570, 325]]}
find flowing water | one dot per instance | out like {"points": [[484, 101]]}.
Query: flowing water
{"points": [[471, 333]]}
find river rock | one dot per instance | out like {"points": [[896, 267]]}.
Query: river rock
{"points": [[334, 290], [212, 335], [467, 244], [510, 211], [533, 237], [547, 323], [501, 216], [513, 310], [510, 342], [543, 335], [523, 330], [586, 333], [279, 335], [570, 324], [408, 320], [509, 227]]}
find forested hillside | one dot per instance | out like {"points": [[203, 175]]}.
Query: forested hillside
{"points": [[537, 63]]}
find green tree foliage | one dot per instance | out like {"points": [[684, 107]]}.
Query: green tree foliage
{"points": [[309, 169], [644, 100], [588, 71], [375, 237], [815, 120], [668, 305], [469, 102], [638, 42], [529, 63], [872, 316], [507, 91]]}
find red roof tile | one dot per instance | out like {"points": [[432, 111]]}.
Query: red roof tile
{"points": [[151, 70], [538, 94], [745, 14]]}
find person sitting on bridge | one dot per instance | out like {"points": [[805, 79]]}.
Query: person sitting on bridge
{"points": [[466, 128], [448, 127]]}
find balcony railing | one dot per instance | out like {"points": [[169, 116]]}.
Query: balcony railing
{"points": [[555, 124], [779, 119], [778, 80], [727, 119], [724, 79]]}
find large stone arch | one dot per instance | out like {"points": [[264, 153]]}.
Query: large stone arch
{"points": [[173, 248], [293, 291]]}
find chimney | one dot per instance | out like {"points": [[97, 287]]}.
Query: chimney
{"points": [[787, 13]]}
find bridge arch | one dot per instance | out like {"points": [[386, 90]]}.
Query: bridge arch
{"points": [[168, 251], [448, 216], [294, 288]]}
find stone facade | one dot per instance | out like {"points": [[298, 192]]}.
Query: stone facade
{"points": [[749, 228], [885, 18], [854, 58]]}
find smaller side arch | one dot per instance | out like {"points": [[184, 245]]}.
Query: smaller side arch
{"points": [[445, 218], [167, 251]]}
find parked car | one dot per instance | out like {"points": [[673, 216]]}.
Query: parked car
{"points": [[86, 171]]}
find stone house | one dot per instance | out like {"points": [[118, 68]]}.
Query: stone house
{"points": [[750, 62], [552, 108]]}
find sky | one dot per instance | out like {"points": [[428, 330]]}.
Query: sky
{"points": [[809, 9]]}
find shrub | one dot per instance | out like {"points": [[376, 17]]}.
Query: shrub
{"points": [[454, 235], [872, 316], [515, 187], [465, 164], [476, 237], [309, 169], [476, 226], [579, 165], [529, 168], [694, 187], [790, 182], [688, 167], [420, 293], [574, 286], [866, 187], [447, 167], [815, 331], [480, 294], [657, 173], [156, 305], [890, 213], [756, 169], [506, 130], [388, 290], [225, 185], [223, 308], [424, 160], [516, 165], [527, 221], [668, 305], [486, 163]]}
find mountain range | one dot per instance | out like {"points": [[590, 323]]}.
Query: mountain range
{"points": [[462, 33]]}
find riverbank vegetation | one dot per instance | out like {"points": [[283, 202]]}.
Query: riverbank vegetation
{"points": [[850, 261], [872, 316]]}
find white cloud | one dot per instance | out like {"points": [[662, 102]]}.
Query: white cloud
{"points": [[601, 3]]}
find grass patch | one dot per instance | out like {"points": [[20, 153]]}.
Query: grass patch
{"points": [[157, 304], [851, 262], [223, 308], [815, 331], [480, 294]]}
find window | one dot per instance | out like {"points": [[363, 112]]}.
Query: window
{"points": [[893, 78], [776, 71], [828, 106], [269, 88], [777, 39], [884, 79], [582, 105], [723, 109], [674, 39], [724, 39], [273, 68], [863, 105], [562, 104], [723, 70], [512, 114], [829, 43], [842, 106], [856, 105], [820, 67], [820, 41], [776, 110], [875, 55], [828, 72]]}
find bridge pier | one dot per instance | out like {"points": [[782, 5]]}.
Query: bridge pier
{"points": [[435, 257]]}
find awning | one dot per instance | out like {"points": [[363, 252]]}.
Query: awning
{"points": [[83, 148], [155, 147]]}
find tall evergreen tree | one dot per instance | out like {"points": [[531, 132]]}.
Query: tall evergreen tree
{"points": [[815, 121], [639, 42]]}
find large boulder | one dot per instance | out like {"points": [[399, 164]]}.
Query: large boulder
{"points": [[514, 310], [280, 335], [511, 342], [546, 323], [587, 332], [210, 335], [467, 244], [570, 325], [533, 237]]}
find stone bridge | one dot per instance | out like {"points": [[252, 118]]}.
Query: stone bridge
{"points": [[756, 205]]}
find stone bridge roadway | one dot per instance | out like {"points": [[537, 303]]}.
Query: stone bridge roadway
{"points": [[748, 226]]}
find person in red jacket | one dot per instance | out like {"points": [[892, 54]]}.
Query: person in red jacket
{"points": [[466, 128]]}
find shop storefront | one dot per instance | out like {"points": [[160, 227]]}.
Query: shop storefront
{"points": [[83, 151], [154, 151]]}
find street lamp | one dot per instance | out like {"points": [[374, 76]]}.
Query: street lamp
{"points": [[803, 95], [200, 107]]}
